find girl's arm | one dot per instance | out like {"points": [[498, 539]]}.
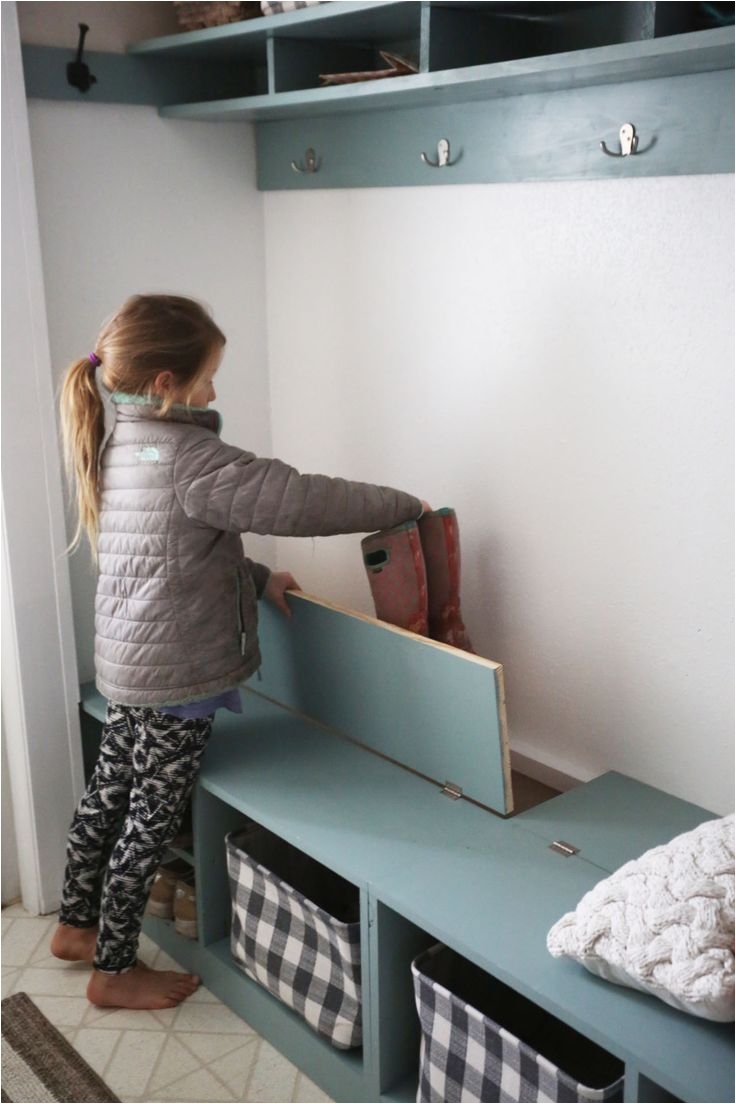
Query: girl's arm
{"points": [[227, 488]]}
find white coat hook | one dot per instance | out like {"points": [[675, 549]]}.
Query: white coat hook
{"points": [[311, 163], [443, 155], [629, 142]]}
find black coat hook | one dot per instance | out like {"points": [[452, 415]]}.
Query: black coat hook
{"points": [[77, 73]]}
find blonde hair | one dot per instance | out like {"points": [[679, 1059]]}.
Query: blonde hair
{"points": [[150, 334]]}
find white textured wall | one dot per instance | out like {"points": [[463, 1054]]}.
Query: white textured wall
{"points": [[554, 361], [129, 202]]}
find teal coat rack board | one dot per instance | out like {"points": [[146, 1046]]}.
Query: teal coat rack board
{"points": [[517, 97], [683, 124], [430, 708]]}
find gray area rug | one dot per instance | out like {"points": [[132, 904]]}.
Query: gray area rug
{"points": [[38, 1064]]}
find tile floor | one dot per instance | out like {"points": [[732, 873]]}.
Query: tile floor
{"points": [[199, 1051]]}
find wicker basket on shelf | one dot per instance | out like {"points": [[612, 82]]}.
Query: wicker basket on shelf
{"points": [[195, 16]]}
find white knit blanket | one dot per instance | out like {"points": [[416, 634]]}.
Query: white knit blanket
{"points": [[664, 923]]}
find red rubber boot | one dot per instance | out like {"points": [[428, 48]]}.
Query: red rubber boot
{"points": [[441, 546], [395, 565]]}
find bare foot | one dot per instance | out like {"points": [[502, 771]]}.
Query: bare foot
{"points": [[78, 944], [74, 944], [140, 988]]}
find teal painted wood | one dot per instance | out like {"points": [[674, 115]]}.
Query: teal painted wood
{"points": [[395, 942], [92, 701], [355, 812], [494, 903], [424, 65], [180, 853], [126, 79], [685, 126], [678, 55], [427, 706], [367, 965], [271, 66], [212, 820], [612, 819], [403, 1093], [91, 734], [631, 1082]]}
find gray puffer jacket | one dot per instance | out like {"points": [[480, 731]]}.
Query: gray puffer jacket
{"points": [[175, 613]]}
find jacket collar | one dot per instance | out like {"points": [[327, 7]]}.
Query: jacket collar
{"points": [[142, 407], [135, 407]]}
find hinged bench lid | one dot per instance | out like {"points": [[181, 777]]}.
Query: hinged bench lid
{"points": [[430, 708]]}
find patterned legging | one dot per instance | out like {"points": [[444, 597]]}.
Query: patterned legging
{"points": [[134, 803]]}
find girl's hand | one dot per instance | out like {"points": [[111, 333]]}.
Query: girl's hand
{"points": [[278, 583]]}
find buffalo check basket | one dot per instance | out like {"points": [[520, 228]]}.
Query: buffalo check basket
{"points": [[293, 947], [467, 1056]]}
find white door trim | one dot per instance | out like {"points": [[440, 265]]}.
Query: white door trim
{"points": [[39, 670]]}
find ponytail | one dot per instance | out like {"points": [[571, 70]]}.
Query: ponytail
{"points": [[83, 426]]}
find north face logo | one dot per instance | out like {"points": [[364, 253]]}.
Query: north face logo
{"points": [[148, 455]]}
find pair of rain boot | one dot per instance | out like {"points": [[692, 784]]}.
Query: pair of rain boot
{"points": [[414, 574]]}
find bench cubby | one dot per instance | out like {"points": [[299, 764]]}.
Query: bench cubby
{"points": [[466, 873], [481, 1040]]}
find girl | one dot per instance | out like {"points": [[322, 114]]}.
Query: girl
{"points": [[163, 502]]}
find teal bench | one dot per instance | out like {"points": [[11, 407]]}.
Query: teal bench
{"points": [[464, 872]]}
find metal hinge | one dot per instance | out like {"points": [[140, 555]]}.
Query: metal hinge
{"points": [[563, 848], [451, 790]]}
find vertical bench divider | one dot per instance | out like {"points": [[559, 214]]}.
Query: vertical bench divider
{"points": [[212, 821]]}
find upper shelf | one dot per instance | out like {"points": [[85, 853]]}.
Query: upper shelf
{"points": [[269, 68], [697, 52], [548, 81], [464, 51]]}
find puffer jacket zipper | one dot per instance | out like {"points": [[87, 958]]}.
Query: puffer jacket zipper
{"points": [[241, 628]]}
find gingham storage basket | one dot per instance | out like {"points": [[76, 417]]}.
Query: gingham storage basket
{"points": [[302, 944], [471, 1043]]}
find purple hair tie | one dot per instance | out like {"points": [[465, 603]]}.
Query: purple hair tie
{"points": [[94, 360]]}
